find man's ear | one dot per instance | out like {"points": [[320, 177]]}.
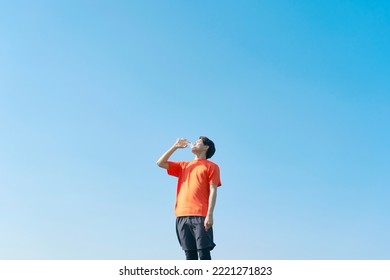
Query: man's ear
{"points": [[207, 147]]}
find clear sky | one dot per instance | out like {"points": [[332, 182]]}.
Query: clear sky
{"points": [[295, 95]]}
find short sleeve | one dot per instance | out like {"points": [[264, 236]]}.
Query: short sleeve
{"points": [[174, 168], [214, 176]]}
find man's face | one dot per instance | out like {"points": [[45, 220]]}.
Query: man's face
{"points": [[199, 146]]}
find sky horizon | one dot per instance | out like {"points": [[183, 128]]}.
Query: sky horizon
{"points": [[294, 95]]}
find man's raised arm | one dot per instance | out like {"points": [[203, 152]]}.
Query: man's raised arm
{"points": [[163, 160]]}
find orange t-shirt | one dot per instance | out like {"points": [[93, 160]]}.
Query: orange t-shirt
{"points": [[193, 186]]}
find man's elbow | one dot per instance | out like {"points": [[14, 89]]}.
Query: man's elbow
{"points": [[162, 164]]}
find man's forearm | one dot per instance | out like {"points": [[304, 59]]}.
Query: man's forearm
{"points": [[212, 200], [163, 160], [209, 220]]}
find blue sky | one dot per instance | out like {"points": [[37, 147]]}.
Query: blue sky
{"points": [[295, 94]]}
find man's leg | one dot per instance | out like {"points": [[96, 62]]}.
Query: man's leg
{"points": [[204, 254], [186, 238], [204, 239], [191, 254]]}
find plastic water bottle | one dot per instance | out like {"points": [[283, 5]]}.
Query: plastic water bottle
{"points": [[189, 144]]}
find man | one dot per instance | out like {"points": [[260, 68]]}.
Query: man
{"points": [[195, 197]]}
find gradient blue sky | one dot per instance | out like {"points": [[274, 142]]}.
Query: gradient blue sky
{"points": [[295, 95]]}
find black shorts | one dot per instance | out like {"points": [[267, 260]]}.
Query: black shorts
{"points": [[192, 235]]}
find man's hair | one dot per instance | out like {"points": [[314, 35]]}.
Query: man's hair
{"points": [[211, 150]]}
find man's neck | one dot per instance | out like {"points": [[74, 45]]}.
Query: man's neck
{"points": [[201, 156]]}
